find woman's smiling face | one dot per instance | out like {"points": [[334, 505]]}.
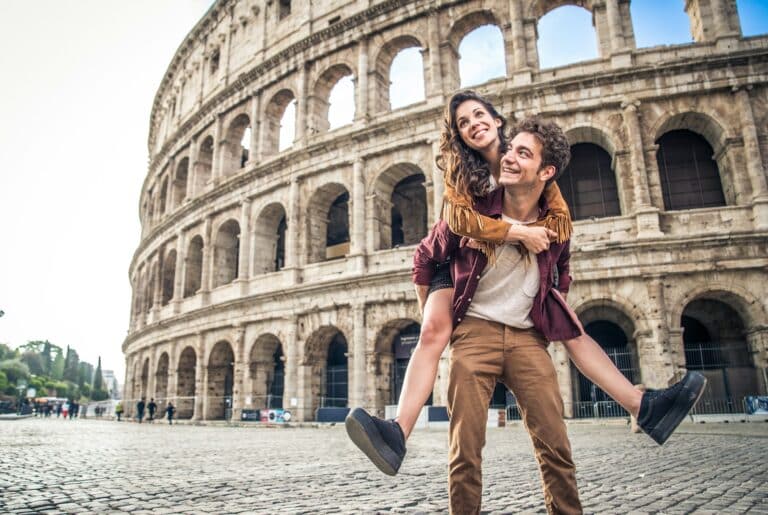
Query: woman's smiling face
{"points": [[477, 128]]}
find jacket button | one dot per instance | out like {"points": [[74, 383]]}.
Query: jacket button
{"points": [[478, 277], [470, 299], [458, 319]]}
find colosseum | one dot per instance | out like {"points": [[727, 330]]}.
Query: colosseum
{"points": [[274, 267]]}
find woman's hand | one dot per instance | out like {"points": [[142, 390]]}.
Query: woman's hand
{"points": [[535, 239], [469, 242]]}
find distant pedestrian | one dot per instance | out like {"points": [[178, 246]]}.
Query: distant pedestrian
{"points": [[119, 410], [73, 409], [169, 411], [152, 407], [140, 409], [59, 409], [65, 410]]}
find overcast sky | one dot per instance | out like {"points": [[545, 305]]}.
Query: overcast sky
{"points": [[79, 78]]}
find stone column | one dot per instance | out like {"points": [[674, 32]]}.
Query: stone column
{"points": [[361, 109], [434, 83], [178, 280], [291, 349], [244, 256], [647, 216], [657, 362], [301, 106], [358, 243], [757, 340], [216, 159], [192, 187], [201, 381], [152, 379], [520, 71], [170, 195], [254, 152], [621, 56], [238, 390], [157, 291], [173, 374], [207, 265], [357, 385], [292, 247], [438, 184], [755, 167]]}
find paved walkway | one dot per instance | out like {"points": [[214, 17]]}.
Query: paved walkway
{"points": [[102, 466]]}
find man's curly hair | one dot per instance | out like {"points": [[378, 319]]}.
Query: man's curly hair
{"points": [[556, 150]]}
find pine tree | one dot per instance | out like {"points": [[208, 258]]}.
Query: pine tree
{"points": [[70, 365], [57, 368], [46, 355], [98, 379]]}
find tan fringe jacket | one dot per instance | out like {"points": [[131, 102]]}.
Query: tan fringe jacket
{"points": [[460, 215]]}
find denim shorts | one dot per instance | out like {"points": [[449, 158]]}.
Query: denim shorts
{"points": [[442, 278]]}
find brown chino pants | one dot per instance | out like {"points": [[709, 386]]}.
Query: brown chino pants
{"points": [[482, 352]]}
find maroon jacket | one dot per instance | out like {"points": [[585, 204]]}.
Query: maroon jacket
{"points": [[550, 314]]}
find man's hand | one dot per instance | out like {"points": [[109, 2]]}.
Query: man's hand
{"points": [[421, 296], [535, 239]]}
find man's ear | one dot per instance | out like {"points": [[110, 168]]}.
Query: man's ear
{"points": [[547, 173]]}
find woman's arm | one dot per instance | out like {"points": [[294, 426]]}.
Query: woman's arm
{"points": [[465, 221]]}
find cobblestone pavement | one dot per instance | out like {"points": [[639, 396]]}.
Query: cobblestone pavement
{"points": [[102, 466]]}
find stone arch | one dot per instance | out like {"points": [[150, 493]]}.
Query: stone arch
{"points": [[185, 383], [269, 239], [168, 277], [235, 154], [459, 31], [193, 278], [180, 180], [692, 162], [152, 271], [589, 183], [318, 116], [715, 343], [593, 133], [221, 381], [328, 205], [538, 8], [582, 41], [316, 355], [399, 194], [383, 66], [742, 301], [204, 163], [161, 380], [273, 120], [266, 365], [703, 124], [226, 253], [613, 328], [393, 346]]}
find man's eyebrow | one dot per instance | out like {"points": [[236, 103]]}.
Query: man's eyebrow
{"points": [[519, 147]]}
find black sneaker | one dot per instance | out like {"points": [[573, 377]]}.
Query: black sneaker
{"points": [[661, 411], [381, 440]]}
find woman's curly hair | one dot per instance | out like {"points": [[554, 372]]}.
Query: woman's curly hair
{"points": [[464, 169]]}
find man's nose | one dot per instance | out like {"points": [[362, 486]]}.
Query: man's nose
{"points": [[508, 158]]}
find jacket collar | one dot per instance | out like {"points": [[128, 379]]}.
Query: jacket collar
{"points": [[492, 204]]}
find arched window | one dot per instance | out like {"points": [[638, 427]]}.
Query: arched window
{"points": [[194, 268], [409, 211], [180, 182], [660, 23], [715, 344], [163, 195], [406, 78], [566, 36], [236, 144], [402, 348], [204, 163], [269, 251], [589, 184], [226, 253], [753, 15], [336, 373], [341, 103], [481, 56], [221, 374], [287, 127], [185, 390], [169, 277], [690, 177], [277, 381], [337, 232]]}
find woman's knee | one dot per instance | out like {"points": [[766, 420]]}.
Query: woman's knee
{"points": [[435, 333]]}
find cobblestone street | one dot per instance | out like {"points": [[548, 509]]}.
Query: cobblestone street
{"points": [[102, 466]]}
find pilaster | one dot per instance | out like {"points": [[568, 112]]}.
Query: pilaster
{"points": [[357, 388]]}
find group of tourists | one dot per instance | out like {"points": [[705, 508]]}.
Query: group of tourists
{"points": [[67, 408], [151, 409], [492, 279]]}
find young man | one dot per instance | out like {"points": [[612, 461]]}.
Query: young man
{"points": [[504, 316]]}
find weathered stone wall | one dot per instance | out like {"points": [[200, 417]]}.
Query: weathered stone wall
{"points": [[242, 65]]}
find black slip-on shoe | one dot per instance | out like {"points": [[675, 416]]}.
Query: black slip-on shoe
{"points": [[382, 441], [661, 411]]}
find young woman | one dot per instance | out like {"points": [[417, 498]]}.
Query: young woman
{"points": [[471, 148]]}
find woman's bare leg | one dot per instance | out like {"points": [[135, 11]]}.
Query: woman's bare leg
{"points": [[420, 375], [594, 363]]}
